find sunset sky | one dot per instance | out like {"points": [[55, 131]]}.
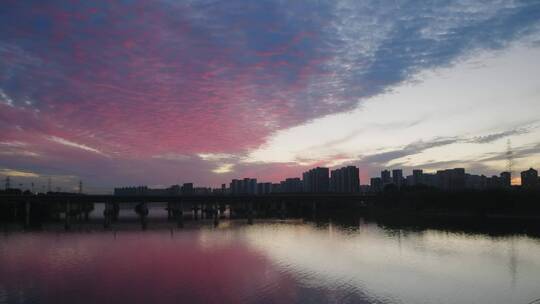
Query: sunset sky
{"points": [[162, 92]]}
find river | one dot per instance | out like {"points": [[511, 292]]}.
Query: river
{"points": [[271, 261]]}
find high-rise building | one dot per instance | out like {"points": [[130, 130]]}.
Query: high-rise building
{"points": [[316, 180], [291, 185], [376, 184], [264, 188], [235, 186], [397, 177], [451, 179], [386, 178], [529, 178], [506, 180], [345, 180], [417, 177], [243, 186], [493, 182], [249, 186]]}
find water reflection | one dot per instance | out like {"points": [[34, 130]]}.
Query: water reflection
{"points": [[269, 262]]}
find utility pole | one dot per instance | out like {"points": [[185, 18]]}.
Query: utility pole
{"points": [[49, 185], [8, 182], [80, 187]]}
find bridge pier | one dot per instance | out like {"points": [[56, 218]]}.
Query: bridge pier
{"points": [[282, 210], [87, 212], [116, 211], [108, 214], [179, 214], [216, 214], [196, 211], [222, 208], [142, 210], [26, 214], [169, 211], [250, 213], [231, 211], [67, 218]]}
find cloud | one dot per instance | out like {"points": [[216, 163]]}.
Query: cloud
{"points": [[13, 144], [517, 153], [224, 168], [71, 144], [496, 136], [173, 156], [17, 173], [217, 157], [209, 77], [385, 157]]}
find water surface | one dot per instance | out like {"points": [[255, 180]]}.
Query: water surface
{"points": [[268, 262]]}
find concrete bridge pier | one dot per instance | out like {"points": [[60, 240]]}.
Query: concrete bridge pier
{"points": [[215, 209], [196, 211], [116, 211], [169, 211], [283, 210], [108, 214], [179, 215], [87, 212], [26, 214], [231, 211], [142, 210], [222, 208], [250, 213], [67, 218]]}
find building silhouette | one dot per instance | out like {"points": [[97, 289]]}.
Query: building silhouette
{"points": [[264, 188], [397, 177], [417, 177], [506, 180], [291, 185], [529, 178], [244, 186], [345, 180], [451, 179], [376, 184], [386, 178], [316, 180]]}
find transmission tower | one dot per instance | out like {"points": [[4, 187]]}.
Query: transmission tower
{"points": [[509, 156]]}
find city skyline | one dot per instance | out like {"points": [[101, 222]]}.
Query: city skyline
{"points": [[137, 93], [345, 180]]}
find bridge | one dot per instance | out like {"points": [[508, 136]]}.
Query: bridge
{"points": [[106, 198], [78, 206]]}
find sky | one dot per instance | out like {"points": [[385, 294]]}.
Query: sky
{"points": [[132, 92]]}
